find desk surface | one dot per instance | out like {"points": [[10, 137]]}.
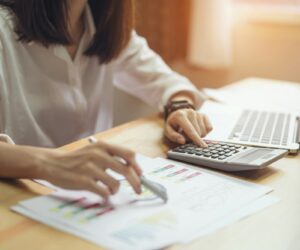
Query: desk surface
{"points": [[275, 228]]}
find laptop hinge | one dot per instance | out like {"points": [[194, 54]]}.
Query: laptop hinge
{"points": [[298, 130]]}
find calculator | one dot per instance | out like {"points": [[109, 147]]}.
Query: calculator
{"points": [[226, 156]]}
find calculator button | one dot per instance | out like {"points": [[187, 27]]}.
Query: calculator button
{"points": [[215, 156], [222, 157], [178, 150], [207, 154]]}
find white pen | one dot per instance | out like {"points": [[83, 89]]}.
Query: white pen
{"points": [[154, 187]]}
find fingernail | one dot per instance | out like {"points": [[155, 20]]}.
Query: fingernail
{"points": [[180, 140], [140, 171], [203, 144]]}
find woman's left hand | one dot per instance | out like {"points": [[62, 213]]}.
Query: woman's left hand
{"points": [[187, 124]]}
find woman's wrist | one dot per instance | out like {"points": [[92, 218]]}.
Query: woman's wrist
{"points": [[20, 162], [173, 106], [183, 96]]}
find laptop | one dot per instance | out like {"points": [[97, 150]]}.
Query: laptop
{"points": [[255, 127]]}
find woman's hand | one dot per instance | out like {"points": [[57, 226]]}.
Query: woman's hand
{"points": [[83, 169], [187, 124], [86, 168]]}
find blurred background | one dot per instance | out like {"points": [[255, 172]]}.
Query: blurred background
{"points": [[217, 42]]}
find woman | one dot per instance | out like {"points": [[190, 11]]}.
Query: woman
{"points": [[59, 62]]}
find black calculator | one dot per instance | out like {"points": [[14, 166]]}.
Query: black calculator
{"points": [[226, 156]]}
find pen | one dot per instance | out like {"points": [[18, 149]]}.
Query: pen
{"points": [[154, 187]]}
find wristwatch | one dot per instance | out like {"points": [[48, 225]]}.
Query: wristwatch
{"points": [[175, 105]]}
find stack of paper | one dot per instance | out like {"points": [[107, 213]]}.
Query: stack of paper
{"points": [[199, 202]]}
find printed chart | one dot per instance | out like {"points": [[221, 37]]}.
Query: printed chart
{"points": [[174, 173], [131, 221]]}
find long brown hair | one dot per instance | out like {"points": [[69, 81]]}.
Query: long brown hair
{"points": [[46, 22]]}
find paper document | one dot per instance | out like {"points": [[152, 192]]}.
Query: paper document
{"points": [[197, 199]]}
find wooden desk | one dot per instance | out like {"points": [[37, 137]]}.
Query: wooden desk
{"points": [[275, 228]]}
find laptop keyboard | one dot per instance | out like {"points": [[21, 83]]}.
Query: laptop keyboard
{"points": [[262, 127]]}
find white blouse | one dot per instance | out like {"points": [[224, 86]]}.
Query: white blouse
{"points": [[47, 99]]}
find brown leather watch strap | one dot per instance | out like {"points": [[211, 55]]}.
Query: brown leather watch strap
{"points": [[175, 105]]}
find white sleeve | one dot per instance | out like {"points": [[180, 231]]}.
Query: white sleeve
{"points": [[143, 73], [3, 137], [6, 138]]}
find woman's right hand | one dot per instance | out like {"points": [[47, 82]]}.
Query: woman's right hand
{"points": [[86, 168], [82, 169]]}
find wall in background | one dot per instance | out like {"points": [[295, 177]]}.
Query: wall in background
{"points": [[165, 24], [270, 50], [267, 50]]}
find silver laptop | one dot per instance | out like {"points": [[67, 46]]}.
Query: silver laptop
{"points": [[263, 128]]}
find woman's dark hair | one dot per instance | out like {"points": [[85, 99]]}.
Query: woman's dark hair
{"points": [[45, 21]]}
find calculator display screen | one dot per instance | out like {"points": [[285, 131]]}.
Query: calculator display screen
{"points": [[253, 155]]}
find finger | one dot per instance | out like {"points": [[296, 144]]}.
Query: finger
{"points": [[207, 123], [90, 185], [194, 120], [202, 125], [98, 174], [134, 180], [190, 131], [173, 135], [70, 180], [127, 171], [127, 155]]}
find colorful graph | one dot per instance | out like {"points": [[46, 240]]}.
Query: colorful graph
{"points": [[162, 169], [97, 214], [67, 203], [175, 173], [73, 213], [146, 194], [83, 211], [195, 174], [180, 171], [80, 209], [148, 228]]}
